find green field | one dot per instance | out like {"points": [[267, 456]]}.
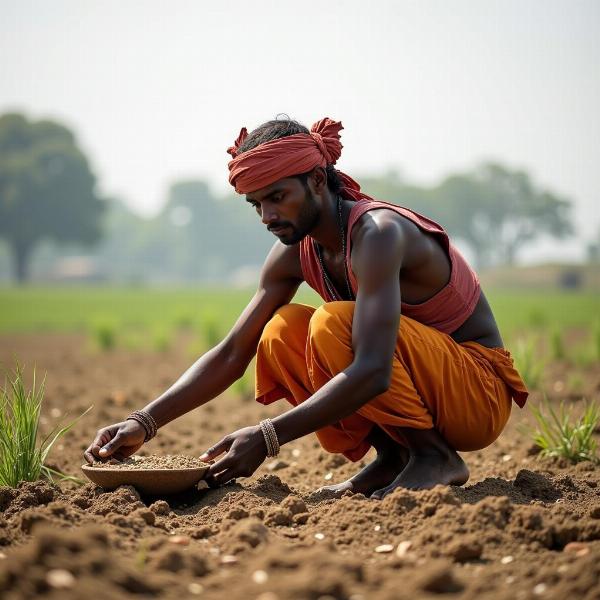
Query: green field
{"points": [[34, 309]]}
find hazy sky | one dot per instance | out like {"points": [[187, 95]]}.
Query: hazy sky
{"points": [[157, 90]]}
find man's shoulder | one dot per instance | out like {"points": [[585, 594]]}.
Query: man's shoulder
{"points": [[383, 221], [283, 262]]}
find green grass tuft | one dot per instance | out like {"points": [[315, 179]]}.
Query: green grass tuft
{"points": [[104, 334], [22, 455], [561, 435], [557, 345]]}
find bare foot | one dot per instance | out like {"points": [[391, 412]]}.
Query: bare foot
{"points": [[425, 471], [375, 475]]}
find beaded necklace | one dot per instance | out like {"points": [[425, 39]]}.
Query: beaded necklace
{"points": [[328, 281]]}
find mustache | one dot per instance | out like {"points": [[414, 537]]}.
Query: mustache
{"points": [[280, 225]]}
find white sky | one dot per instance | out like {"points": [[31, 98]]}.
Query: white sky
{"points": [[157, 90]]}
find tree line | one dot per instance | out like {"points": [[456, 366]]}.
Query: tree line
{"points": [[48, 192]]}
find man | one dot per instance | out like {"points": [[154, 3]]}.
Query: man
{"points": [[404, 356]]}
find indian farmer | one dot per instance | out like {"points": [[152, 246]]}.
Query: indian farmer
{"points": [[403, 356]]}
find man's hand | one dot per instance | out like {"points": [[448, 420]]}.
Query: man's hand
{"points": [[116, 441], [246, 450]]}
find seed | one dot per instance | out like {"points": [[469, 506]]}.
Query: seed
{"points": [[578, 548], [539, 589], [55, 413], [60, 578], [377, 527], [403, 548], [509, 579], [267, 596], [506, 458], [319, 536], [260, 577], [329, 476], [505, 560], [296, 452], [384, 548], [195, 588], [180, 540], [2, 556], [229, 559]]}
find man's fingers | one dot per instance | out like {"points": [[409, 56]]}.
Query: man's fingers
{"points": [[110, 447], [89, 457], [217, 449]]}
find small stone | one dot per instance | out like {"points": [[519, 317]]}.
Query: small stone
{"points": [[595, 512], [403, 548], [267, 596], [160, 507], [229, 559], [180, 540], [384, 548], [2, 556], [539, 589], [260, 577], [55, 413], [562, 568], [577, 548], [559, 386], [319, 536], [276, 465], [505, 560], [195, 588], [296, 452], [328, 477], [377, 528], [510, 579], [202, 485], [215, 551], [60, 579], [506, 458]]}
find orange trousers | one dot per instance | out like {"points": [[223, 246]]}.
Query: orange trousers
{"points": [[463, 390]]}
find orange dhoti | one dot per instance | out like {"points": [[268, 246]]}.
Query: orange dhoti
{"points": [[463, 390]]}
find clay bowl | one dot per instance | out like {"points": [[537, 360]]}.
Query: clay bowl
{"points": [[148, 481]]}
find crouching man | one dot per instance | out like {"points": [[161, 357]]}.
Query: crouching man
{"points": [[404, 355]]}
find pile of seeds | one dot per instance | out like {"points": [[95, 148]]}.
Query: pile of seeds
{"points": [[154, 461]]}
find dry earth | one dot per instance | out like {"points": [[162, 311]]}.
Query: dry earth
{"points": [[521, 528]]}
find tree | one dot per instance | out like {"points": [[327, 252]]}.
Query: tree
{"points": [[498, 211], [47, 190]]}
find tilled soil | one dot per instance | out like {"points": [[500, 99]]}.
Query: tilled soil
{"points": [[521, 528]]}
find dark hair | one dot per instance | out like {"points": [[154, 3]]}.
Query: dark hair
{"points": [[280, 127]]}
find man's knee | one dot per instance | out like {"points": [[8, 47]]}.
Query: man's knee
{"points": [[287, 321], [332, 320]]}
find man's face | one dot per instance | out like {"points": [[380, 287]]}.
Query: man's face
{"points": [[288, 208]]}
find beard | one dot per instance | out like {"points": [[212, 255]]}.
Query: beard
{"points": [[308, 217]]}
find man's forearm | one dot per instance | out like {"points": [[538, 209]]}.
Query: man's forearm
{"points": [[209, 376], [343, 395]]}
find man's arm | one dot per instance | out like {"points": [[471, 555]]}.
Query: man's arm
{"points": [[374, 333], [218, 368]]}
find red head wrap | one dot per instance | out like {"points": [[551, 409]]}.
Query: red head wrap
{"points": [[287, 156]]}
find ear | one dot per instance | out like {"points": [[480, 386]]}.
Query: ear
{"points": [[319, 179]]}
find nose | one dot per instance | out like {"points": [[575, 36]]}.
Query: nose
{"points": [[268, 214]]}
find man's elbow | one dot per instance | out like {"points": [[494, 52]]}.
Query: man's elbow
{"points": [[375, 379], [381, 382]]}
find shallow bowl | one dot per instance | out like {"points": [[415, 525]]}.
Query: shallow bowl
{"points": [[147, 481]]}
